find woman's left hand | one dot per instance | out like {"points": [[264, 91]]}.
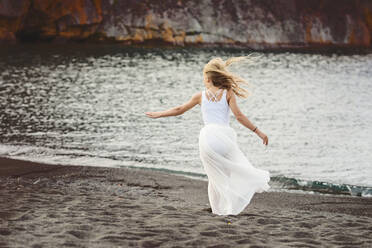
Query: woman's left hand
{"points": [[153, 114], [263, 136]]}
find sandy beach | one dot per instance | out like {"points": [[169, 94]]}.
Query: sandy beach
{"points": [[73, 206]]}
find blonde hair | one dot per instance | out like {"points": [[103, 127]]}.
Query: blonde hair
{"points": [[216, 71]]}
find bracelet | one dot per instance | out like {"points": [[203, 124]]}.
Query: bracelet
{"points": [[254, 130]]}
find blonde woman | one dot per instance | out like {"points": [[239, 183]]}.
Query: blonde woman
{"points": [[232, 180]]}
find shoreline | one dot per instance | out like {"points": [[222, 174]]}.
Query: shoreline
{"points": [[278, 183], [295, 49], [59, 205]]}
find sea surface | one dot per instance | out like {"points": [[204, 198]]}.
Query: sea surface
{"points": [[85, 104]]}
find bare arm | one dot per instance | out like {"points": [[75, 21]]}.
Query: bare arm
{"points": [[243, 119], [178, 110]]}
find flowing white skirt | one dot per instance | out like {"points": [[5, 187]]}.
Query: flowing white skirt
{"points": [[232, 180]]}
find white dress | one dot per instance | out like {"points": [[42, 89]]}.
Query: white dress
{"points": [[232, 180]]}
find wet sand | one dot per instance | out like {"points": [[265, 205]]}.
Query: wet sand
{"points": [[73, 206]]}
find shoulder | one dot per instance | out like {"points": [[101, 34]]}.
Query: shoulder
{"points": [[197, 94], [229, 94], [197, 97]]}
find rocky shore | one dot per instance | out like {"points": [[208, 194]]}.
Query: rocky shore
{"points": [[264, 24]]}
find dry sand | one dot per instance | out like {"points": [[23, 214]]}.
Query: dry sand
{"points": [[74, 206]]}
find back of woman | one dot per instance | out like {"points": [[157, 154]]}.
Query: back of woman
{"points": [[214, 109]]}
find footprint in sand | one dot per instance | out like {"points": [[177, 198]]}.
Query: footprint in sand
{"points": [[78, 234], [169, 208], [219, 246], [352, 224], [151, 243], [267, 221], [301, 235], [307, 225], [209, 234], [243, 241], [4, 232]]}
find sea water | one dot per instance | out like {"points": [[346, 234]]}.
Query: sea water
{"points": [[85, 104]]}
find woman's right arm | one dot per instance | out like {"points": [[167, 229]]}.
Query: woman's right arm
{"points": [[178, 110], [243, 119]]}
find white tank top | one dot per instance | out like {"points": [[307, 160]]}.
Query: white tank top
{"points": [[217, 112]]}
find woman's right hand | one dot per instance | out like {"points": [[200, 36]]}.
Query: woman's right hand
{"points": [[153, 115], [263, 136]]}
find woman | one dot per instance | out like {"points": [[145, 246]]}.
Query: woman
{"points": [[232, 180]]}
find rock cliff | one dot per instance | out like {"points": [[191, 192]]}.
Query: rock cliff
{"points": [[257, 24]]}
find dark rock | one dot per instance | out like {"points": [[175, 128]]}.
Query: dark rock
{"points": [[258, 24]]}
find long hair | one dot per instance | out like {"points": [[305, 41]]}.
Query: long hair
{"points": [[216, 71]]}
